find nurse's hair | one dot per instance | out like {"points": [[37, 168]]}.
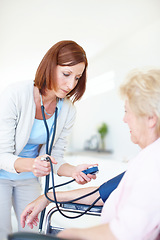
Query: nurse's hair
{"points": [[63, 53], [142, 90]]}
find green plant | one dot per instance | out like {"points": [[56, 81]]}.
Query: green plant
{"points": [[103, 130]]}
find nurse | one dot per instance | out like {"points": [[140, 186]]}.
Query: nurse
{"points": [[60, 81]]}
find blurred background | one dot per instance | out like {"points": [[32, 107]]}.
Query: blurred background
{"points": [[117, 35]]}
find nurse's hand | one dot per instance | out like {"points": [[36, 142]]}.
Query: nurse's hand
{"points": [[30, 213], [41, 167], [80, 177]]}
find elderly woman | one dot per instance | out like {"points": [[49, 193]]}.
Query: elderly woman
{"points": [[133, 209]]}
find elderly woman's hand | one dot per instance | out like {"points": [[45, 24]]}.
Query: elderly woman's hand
{"points": [[30, 213]]}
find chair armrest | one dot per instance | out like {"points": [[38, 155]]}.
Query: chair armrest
{"points": [[81, 207], [70, 208]]}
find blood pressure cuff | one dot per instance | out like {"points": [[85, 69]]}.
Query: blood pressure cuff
{"points": [[106, 188]]}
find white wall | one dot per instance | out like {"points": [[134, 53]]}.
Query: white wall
{"points": [[117, 36], [140, 49]]}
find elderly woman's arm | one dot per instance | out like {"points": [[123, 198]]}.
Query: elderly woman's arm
{"points": [[30, 213], [100, 232]]}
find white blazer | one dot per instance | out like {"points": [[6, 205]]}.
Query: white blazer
{"points": [[17, 114]]}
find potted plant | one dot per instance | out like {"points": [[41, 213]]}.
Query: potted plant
{"points": [[102, 130]]}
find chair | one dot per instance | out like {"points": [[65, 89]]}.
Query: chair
{"points": [[74, 208], [50, 231]]}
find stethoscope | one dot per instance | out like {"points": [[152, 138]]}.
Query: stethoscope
{"points": [[46, 190]]}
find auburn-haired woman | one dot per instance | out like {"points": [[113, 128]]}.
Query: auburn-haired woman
{"points": [[60, 80]]}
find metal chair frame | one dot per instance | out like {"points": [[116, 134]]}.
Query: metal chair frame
{"points": [[70, 208]]}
